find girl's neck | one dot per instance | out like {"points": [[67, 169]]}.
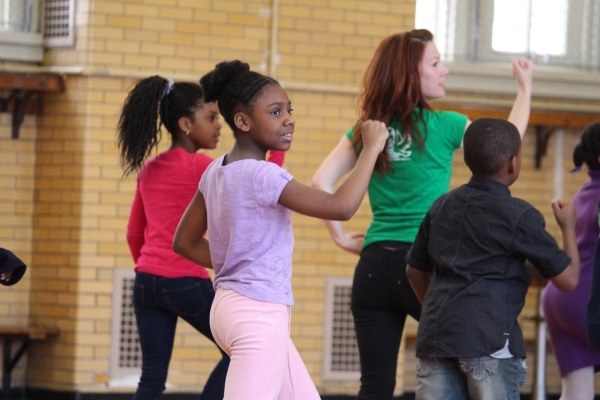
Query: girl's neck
{"points": [[185, 143], [245, 152]]}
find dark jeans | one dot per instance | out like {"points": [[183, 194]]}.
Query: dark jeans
{"points": [[381, 299], [158, 302]]}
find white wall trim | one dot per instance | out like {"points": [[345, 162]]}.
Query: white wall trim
{"points": [[494, 78], [465, 79]]}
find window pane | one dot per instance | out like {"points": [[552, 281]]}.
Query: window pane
{"points": [[510, 30], [541, 29], [425, 15], [549, 26], [433, 16]]}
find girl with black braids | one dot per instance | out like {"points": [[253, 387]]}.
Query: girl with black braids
{"points": [[565, 313], [167, 286], [246, 205]]}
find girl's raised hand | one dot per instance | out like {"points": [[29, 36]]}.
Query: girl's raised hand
{"points": [[374, 135]]}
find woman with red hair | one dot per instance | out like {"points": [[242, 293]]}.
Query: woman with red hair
{"points": [[414, 169]]}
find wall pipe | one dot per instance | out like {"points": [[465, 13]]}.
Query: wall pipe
{"points": [[273, 51]]}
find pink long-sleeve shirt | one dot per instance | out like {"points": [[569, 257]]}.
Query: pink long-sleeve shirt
{"points": [[165, 187]]}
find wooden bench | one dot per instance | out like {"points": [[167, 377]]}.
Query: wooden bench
{"points": [[26, 335]]}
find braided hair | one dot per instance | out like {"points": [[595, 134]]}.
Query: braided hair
{"points": [[234, 86], [588, 148], [139, 124]]}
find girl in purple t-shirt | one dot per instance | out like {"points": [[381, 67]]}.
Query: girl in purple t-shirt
{"points": [[246, 204], [565, 313]]}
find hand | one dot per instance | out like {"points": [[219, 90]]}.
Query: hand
{"points": [[523, 72], [374, 135], [5, 276], [565, 214], [353, 242]]}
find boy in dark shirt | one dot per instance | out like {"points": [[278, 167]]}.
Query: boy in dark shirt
{"points": [[467, 268]]}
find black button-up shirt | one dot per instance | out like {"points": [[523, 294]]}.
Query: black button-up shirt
{"points": [[474, 241]]}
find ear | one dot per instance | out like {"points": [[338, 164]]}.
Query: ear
{"points": [[185, 124], [241, 122], [512, 165]]}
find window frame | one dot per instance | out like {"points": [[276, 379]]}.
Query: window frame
{"points": [[474, 69], [24, 46]]}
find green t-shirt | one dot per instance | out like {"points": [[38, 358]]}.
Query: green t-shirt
{"points": [[401, 198]]}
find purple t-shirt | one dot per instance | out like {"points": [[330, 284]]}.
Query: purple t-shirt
{"points": [[250, 235]]}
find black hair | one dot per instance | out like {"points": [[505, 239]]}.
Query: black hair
{"points": [[139, 125], [490, 143], [234, 86], [588, 148]]}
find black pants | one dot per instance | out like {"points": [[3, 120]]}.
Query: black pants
{"points": [[381, 299], [158, 302]]}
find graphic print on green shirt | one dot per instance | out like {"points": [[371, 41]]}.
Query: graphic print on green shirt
{"points": [[401, 198]]}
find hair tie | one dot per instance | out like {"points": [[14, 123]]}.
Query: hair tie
{"points": [[168, 89]]}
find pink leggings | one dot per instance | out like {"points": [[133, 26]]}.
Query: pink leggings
{"points": [[264, 362]]}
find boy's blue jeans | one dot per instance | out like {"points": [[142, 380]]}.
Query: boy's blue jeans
{"points": [[472, 378], [157, 303]]}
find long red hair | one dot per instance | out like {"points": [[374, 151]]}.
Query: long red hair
{"points": [[392, 87]]}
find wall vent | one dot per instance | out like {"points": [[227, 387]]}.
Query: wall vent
{"points": [[125, 352], [59, 23], [340, 359]]}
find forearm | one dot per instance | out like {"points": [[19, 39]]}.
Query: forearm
{"points": [[198, 252], [336, 230], [570, 247], [135, 244], [519, 114], [352, 191], [419, 281]]}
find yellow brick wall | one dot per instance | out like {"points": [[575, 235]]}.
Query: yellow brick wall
{"points": [[73, 231], [17, 163]]}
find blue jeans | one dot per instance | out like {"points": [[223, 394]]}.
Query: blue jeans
{"points": [[381, 300], [158, 302], [473, 378]]}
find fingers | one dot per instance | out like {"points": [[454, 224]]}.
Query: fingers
{"points": [[375, 134], [556, 203], [522, 63], [356, 235], [5, 276]]}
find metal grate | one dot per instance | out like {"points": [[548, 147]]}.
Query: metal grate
{"points": [[125, 353], [59, 23], [341, 360]]}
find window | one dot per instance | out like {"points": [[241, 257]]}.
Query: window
{"points": [[554, 32], [20, 37]]}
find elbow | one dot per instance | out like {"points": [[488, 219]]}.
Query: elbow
{"points": [[177, 247], [572, 283], [345, 213], [569, 287], [410, 274], [317, 183], [570, 280]]}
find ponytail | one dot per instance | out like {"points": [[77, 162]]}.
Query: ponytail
{"points": [[589, 148], [139, 124]]}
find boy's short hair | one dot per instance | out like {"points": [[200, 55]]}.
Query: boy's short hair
{"points": [[489, 143]]}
